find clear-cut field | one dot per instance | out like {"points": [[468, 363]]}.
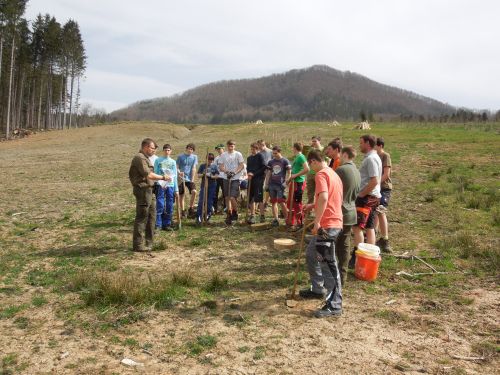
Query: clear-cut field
{"points": [[75, 299]]}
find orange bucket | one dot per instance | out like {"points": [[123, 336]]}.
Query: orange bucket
{"points": [[366, 267]]}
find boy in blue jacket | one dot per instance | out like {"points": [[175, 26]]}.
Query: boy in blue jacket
{"points": [[167, 190]]}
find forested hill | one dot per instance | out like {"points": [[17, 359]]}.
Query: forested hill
{"points": [[315, 93]]}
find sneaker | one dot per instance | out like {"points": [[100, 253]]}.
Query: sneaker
{"points": [[197, 222], [384, 246], [309, 294], [327, 311], [251, 220], [262, 218], [275, 223]]}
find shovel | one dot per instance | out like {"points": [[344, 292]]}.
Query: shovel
{"points": [[291, 300]]}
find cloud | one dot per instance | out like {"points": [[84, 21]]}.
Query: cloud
{"points": [[123, 88], [444, 49]]}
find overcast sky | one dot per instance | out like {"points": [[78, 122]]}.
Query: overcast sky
{"points": [[445, 49]]}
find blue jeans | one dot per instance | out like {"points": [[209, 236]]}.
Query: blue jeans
{"points": [[210, 200], [164, 206], [323, 268]]}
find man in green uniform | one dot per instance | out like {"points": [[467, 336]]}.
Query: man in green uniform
{"points": [[142, 177]]}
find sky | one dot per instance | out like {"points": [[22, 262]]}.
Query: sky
{"points": [[445, 49]]}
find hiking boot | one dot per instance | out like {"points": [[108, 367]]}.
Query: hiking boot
{"points": [[251, 220], [234, 216], [262, 218], [352, 261], [384, 246], [309, 294], [228, 220], [327, 311], [275, 223]]}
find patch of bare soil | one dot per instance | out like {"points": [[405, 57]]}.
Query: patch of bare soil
{"points": [[253, 330]]}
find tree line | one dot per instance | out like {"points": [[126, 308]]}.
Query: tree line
{"points": [[41, 65]]}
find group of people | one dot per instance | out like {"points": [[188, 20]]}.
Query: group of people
{"points": [[346, 202]]}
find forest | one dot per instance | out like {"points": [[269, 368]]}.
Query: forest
{"points": [[42, 63]]}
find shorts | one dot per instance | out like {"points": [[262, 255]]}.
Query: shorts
{"points": [[277, 194], [386, 197], [190, 186], [365, 210], [235, 188], [256, 190]]}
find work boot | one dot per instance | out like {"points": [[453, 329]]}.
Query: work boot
{"points": [[234, 216], [262, 218], [384, 245], [327, 311], [275, 223], [309, 294], [352, 261]]}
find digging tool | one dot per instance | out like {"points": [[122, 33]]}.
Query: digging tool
{"points": [[291, 191], [291, 302], [179, 215], [228, 197], [248, 197], [205, 192]]}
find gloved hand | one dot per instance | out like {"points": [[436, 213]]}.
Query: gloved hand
{"points": [[284, 185], [230, 175]]}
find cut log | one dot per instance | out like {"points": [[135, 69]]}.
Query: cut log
{"points": [[284, 243]]}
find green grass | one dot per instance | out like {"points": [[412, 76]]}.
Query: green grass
{"points": [[11, 311], [123, 288], [201, 344]]}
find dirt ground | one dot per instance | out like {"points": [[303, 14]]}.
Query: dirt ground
{"points": [[67, 204]]}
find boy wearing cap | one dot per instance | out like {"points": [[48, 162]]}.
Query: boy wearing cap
{"points": [[165, 190], [212, 173]]}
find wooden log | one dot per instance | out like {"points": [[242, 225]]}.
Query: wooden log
{"points": [[284, 243]]}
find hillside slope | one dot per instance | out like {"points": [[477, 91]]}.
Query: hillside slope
{"points": [[315, 93]]}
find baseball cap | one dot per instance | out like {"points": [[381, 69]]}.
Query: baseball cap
{"points": [[220, 145]]}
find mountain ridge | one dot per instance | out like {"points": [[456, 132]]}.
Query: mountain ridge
{"points": [[318, 92]]}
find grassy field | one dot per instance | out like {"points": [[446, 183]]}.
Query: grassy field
{"points": [[75, 299]]}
